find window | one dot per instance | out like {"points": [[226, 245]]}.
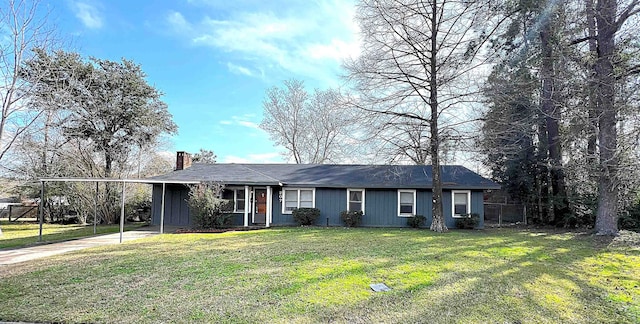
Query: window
{"points": [[406, 202], [298, 198], [355, 200], [238, 197], [461, 203], [239, 200]]}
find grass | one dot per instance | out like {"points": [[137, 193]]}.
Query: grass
{"points": [[310, 275], [21, 234]]}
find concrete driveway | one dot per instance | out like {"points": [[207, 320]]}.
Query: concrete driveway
{"points": [[11, 256]]}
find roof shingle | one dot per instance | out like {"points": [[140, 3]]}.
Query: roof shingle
{"points": [[330, 175]]}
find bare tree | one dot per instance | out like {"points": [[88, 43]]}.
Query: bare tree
{"points": [[609, 21], [313, 127], [417, 62], [24, 27]]}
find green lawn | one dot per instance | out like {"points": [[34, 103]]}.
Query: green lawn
{"points": [[19, 234], [312, 275]]}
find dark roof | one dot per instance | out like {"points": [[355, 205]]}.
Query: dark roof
{"points": [[330, 175]]}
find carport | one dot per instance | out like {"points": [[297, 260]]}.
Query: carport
{"points": [[122, 198]]}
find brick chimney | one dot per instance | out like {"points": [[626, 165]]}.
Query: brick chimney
{"points": [[183, 160]]}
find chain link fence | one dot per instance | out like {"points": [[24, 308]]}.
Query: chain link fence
{"points": [[498, 214]]}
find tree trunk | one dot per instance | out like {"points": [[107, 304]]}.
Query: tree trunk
{"points": [[437, 223], [607, 216], [592, 86], [542, 171], [558, 208]]}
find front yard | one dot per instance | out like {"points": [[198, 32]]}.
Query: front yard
{"points": [[323, 275]]}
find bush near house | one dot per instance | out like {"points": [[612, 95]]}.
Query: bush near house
{"points": [[207, 210], [416, 221], [468, 222], [306, 216], [351, 218]]}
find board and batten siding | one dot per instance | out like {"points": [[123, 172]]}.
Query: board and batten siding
{"points": [[381, 207], [477, 206], [331, 202], [277, 216], [176, 212]]}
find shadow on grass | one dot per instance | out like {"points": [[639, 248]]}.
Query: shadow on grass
{"points": [[535, 276], [539, 279]]}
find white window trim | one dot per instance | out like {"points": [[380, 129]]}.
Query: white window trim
{"points": [[349, 195], [284, 197], [453, 202], [415, 202], [235, 199]]}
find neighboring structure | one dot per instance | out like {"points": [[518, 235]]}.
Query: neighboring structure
{"points": [[266, 194]]}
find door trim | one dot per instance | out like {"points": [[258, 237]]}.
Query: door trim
{"points": [[254, 204]]}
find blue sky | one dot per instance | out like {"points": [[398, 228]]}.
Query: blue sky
{"points": [[214, 59]]}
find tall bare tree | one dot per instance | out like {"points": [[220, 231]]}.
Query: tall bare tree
{"points": [[610, 19], [418, 58], [312, 127], [23, 26]]}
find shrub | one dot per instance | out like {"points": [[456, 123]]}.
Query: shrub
{"points": [[630, 220], [351, 218], [416, 221], [468, 222], [207, 210], [306, 216], [628, 223]]}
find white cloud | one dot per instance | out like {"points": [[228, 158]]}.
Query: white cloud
{"points": [[89, 14], [238, 69], [309, 38], [337, 50], [177, 21], [244, 120], [248, 124], [272, 157]]}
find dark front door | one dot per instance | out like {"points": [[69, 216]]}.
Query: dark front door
{"points": [[260, 206]]}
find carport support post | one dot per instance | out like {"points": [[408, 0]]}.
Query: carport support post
{"points": [[122, 213], [164, 187], [41, 210]]}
